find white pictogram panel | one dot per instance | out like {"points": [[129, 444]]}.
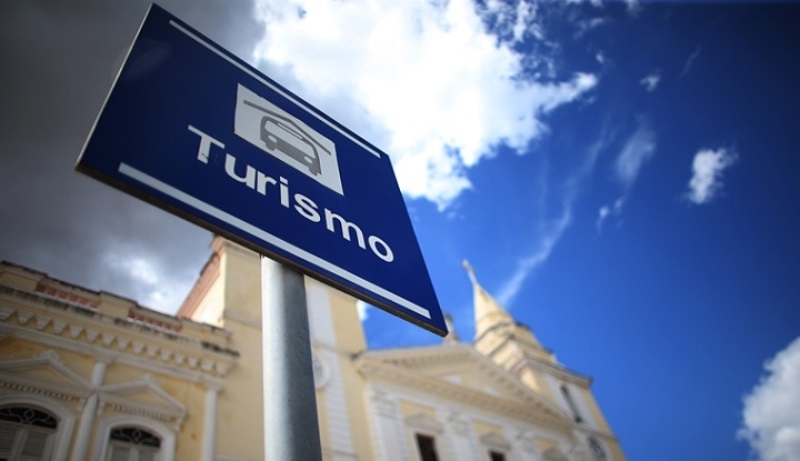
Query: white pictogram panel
{"points": [[283, 136]]}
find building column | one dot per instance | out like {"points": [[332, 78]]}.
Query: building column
{"points": [[458, 434], [388, 429], [89, 410], [209, 439]]}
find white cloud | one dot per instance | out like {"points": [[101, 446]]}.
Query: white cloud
{"points": [[146, 274], [687, 66], [510, 22], [634, 7], [602, 214], [606, 211], [639, 148], [707, 168], [552, 227], [600, 58], [651, 81], [538, 256], [593, 2], [771, 417], [585, 26], [434, 88]]}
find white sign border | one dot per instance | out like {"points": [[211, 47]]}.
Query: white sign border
{"points": [[210, 210]]}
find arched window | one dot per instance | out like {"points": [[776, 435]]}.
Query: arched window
{"points": [[571, 404], [597, 449], [126, 437], [26, 433], [130, 443]]}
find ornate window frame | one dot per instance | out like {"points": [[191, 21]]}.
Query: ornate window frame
{"points": [[322, 372], [425, 425], [496, 442], [65, 416], [596, 448], [158, 428]]}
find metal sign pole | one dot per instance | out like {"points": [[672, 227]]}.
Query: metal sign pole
{"points": [[291, 431]]}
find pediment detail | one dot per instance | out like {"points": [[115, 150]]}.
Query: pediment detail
{"points": [[461, 373], [495, 440], [143, 396], [424, 421], [44, 373]]}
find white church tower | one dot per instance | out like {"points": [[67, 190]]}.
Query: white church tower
{"points": [[515, 348]]}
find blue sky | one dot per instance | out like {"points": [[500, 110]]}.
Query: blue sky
{"points": [[620, 175], [671, 305]]}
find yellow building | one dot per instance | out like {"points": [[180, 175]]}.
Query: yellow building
{"points": [[88, 375]]}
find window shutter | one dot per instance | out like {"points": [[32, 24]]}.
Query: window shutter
{"points": [[147, 456], [7, 435], [119, 453], [36, 446]]}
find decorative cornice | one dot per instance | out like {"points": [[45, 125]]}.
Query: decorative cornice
{"points": [[432, 355], [71, 295], [425, 422], [55, 392], [557, 371], [527, 405], [495, 440], [115, 338], [158, 322], [415, 357]]}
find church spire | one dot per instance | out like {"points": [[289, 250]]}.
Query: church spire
{"points": [[488, 312], [492, 320]]}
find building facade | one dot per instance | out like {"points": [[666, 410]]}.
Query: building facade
{"points": [[87, 375]]}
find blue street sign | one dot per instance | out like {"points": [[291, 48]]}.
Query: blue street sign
{"points": [[191, 128]]}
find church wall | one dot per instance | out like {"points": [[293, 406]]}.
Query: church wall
{"points": [[462, 432], [241, 276], [533, 380], [240, 433], [240, 415], [350, 341], [589, 405], [212, 307]]}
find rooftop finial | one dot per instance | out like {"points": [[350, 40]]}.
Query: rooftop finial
{"points": [[470, 271]]}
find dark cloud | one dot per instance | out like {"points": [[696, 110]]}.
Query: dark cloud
{"points": [[59, 60]]}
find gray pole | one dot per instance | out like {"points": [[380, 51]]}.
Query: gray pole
{"points": [[291, 431]]}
